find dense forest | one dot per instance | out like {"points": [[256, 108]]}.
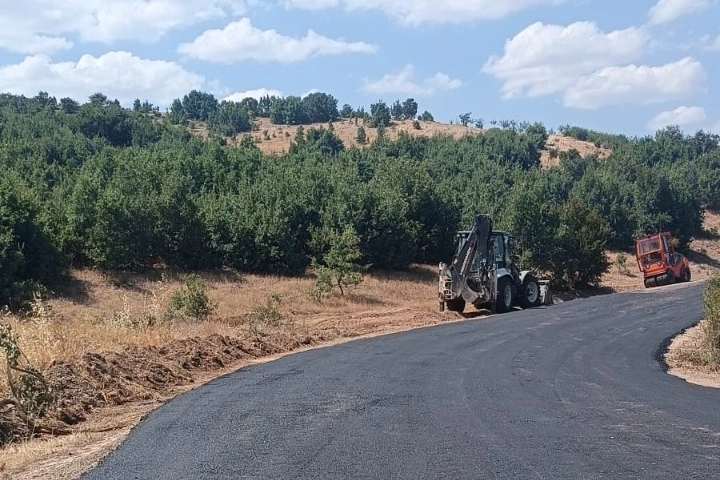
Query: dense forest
{"points": [[97, 185]]}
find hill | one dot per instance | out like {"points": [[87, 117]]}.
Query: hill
{"points": [[276, 139]]}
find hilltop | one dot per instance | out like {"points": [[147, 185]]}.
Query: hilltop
{"points": [[276, 139]]}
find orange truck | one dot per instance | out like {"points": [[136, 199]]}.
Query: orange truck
{"points": [[659, 262]]}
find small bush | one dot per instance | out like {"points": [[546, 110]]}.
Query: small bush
{"points": [[416, 125], [621, 262], [31, 394], [361, 136], [192, 300], [150, 316], [268, 315], [711, 302]]}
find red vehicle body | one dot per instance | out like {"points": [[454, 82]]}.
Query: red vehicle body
{"points": [[659, 262]]}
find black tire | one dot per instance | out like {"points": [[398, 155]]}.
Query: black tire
{"points": [[671, 277], [504, 295], [456, 305], [530, 292], [688, 276]]}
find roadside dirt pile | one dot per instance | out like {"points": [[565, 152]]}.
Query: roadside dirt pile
{"points": [[136, 373]]}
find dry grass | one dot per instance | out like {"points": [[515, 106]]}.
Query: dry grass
{"points": [[111, 313], [276, 139], [560, 143]]}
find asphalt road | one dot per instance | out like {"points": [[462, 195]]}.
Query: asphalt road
{"points": [[571, 391]]}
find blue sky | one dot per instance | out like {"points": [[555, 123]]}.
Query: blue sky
{"points": [[619, 66]]}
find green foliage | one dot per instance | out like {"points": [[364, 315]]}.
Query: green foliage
{"points": [[361, 136], [198, 105], [340, 266], [267, 315], [711, 302], [27, 253], [230, 118], [580, 260], [347, 111], [29, 389], [621, 262], [426, 117], [103, 186], [192, 299], [380, 115]]}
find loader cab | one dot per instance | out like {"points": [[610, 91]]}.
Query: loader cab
{"points": [[505, 247]]}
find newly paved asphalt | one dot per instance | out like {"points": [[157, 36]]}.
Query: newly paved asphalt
{"points": [[571, 391]]}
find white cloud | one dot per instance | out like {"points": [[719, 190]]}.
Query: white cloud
{"points": [[257, 94], [403, 83], [120, 75], [543, 59], [679, 116], [636, 84], [240, 40], [43, 26], [416, 12], [666, 11]]}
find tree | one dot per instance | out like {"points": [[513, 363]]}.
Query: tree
{"points": [[582, 237], [379, 114], [98, 99], [230, 118], [199, 105], [396, 111], [427, 117], [340, 266], [251, 105], [177, 112], [320, 107], [69, 105], [409, 108], [465, 118], [361, 136], [347, 111]]}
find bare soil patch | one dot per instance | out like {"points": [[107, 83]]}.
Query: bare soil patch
{"points": [[276, 139], [682, 359]]}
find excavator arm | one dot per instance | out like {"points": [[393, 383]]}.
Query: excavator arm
{"points": [[468, 279]]}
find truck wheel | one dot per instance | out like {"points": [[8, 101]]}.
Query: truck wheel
{"points": [[457, 305], [687, 274], [530, 292], [505, 296]]}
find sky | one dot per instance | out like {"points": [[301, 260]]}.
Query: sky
{"points": [[630, 67]]}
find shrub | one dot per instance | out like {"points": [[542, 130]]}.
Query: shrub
{"points": [[30, 392], [361, 136], [711, 302], [192, 300], [340, 266]]}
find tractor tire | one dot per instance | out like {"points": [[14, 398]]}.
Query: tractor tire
{"points": [[530, 292], [688, 276], [457, 305], [504, 295]]}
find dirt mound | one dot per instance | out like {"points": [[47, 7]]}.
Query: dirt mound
{"points": [[137, 373]]}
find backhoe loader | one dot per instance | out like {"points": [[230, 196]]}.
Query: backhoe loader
{"points": [[483, 273]]}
